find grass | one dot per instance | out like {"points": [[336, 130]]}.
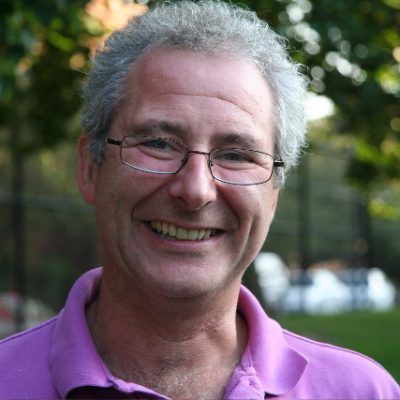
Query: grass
{"points": [[376, 334]]}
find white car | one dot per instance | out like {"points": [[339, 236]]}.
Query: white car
{"points": [[318, 291], [371, 289]]}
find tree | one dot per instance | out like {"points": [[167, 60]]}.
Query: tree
{"points": [[44, 52], [42, 55], [351, 50]]}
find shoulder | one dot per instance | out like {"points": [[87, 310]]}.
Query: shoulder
{"points": [[26, 344], [24, 362], [321, 353], [342, 373]]}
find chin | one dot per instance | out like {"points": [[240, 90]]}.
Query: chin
{"points": [[196, 288]]}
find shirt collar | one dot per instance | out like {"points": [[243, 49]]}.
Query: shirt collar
{"points": [[73, 357], [75, 362], [277, 366]]}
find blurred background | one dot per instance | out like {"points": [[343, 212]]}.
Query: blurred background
{"points": [[330, 266]]}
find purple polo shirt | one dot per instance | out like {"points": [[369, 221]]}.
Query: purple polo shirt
{"points": [[58, 359]]}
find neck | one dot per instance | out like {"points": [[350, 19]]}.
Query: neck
{"points": [[155, 342]]}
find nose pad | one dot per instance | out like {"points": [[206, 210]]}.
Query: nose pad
{"points": [[194, 185]]}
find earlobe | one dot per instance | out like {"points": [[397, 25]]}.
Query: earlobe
{"points": [[86, 174]]}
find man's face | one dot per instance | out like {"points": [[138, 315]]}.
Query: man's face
{"points": [[206, 103]]}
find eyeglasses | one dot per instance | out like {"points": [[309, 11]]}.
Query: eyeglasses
{"points": [[160, 155]]}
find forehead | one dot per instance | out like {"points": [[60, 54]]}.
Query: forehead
{"points": [[192, 72], [186, 84]]}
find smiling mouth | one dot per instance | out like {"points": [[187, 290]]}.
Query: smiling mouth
{"points": [[173, 232]]}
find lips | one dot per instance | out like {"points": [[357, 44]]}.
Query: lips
{"points": [[174, 232]]}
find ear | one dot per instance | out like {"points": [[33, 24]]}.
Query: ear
{"points": [[87, 171]]}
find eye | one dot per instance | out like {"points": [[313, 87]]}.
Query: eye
{"points": [[156, 144], [232, 156], [161, 148]]}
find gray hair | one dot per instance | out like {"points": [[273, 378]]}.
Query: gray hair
{"points": [[212, 27]]}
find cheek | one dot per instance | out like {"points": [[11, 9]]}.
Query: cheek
{"points": [[256, 212], [111, 194], [256, 204], [254, 216], [124, 193]]}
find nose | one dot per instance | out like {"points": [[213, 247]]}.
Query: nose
{"points": [[193, 186]]}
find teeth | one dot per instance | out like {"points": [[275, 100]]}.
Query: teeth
{"points": [[172, 230], [181, 233], [193, 235], [165, 228]]}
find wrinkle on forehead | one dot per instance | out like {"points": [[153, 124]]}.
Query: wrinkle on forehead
{"points": [[223, 98], [240, 75]]}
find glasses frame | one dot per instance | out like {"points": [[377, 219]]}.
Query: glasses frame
{"points": [[276, 163]]}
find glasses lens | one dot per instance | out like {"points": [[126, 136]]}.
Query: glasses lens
{"points": [[152, 154], [166, 155], [241, 166]]}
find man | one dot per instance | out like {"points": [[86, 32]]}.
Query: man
{"points": [[193, 115]]}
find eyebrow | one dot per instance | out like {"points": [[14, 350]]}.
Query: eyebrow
{"points": [[155, 127], [238, 139]]}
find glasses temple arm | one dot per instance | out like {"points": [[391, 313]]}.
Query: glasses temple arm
{"points": [[113, 141]]}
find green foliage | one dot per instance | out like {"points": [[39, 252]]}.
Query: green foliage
{"points": [[351, 50], [42, 55]]}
